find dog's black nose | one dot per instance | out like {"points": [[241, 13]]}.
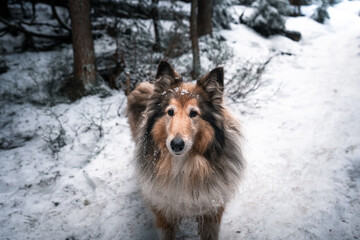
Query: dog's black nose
{"points": [[177, 144]]}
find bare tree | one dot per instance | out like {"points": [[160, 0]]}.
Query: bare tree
{"points": [[194, 38], [205, 17], [155, 18], [83, 45]]}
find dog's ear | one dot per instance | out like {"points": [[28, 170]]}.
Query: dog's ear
{"points": [[165, 68], [213, 84], [166, 76]]}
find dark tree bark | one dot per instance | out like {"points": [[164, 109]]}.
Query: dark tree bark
{"points": [[33, 8], [194, 38], [4, 9], [299, 9], [23, 10], [155, 18], [205, 17], [83, 45], [298, 4]]}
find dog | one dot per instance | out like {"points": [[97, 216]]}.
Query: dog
{"points": [[188, 149]]}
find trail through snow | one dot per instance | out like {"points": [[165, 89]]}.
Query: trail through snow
{"points": [[302, 148]]}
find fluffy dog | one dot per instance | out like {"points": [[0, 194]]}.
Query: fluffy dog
{"points": [[188, 154]]}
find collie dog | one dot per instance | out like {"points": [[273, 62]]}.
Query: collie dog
{"points": [[188, 155]]}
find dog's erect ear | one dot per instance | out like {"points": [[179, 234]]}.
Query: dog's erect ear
{"points": [[165, 68], [166, 76], [213, 84]]}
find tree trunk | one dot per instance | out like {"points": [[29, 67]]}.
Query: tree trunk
{"points": [[33, 4], [194, 38], [23, 10], [155, 18], [4, 9], [83, 45], [296, 3], [205, 17]]}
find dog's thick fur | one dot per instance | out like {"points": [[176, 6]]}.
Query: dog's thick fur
{"points": [[199, 181]]}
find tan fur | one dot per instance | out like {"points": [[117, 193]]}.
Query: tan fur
{"points": [[160, 134], [216, 218], [199, 179], [137, 102], [160, 221], [198, 170], [180, 124], [163, 168], [210, 220], [167, 227], [203, 137]]}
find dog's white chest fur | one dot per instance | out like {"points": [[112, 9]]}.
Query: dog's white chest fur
{"points": [[175, 198]]}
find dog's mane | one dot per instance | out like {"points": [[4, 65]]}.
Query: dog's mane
{"points": [[223, 153]]}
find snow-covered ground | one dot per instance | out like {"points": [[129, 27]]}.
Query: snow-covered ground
{"points": [[70, 175]]}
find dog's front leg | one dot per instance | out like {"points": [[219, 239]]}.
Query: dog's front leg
{"points": [[165, 227], [209, 225]]}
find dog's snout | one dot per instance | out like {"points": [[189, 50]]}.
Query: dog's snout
{"points": [[177, 144]]}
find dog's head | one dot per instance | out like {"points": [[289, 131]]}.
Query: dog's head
{"points": [[186, 112]]}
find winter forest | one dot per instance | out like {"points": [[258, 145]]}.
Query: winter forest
{"points": [[292, 79]]}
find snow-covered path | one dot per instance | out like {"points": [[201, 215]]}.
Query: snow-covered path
{"points": [[303, 149]]}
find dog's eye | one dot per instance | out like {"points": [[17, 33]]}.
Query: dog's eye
{"points": [[170, 112], [193, 114]]}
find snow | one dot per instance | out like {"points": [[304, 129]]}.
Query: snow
{"points": [[302, 147]]}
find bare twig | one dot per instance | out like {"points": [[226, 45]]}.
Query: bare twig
{"points": [[96, 123], [55, 138], [120, 106], [247, 79], [53, 9], [40, 24]]}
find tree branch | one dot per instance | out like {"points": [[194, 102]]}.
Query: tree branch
{"points": [[19, 27], [62, 24], [39, 24]]}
